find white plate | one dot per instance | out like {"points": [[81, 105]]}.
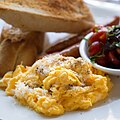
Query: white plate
{"points": [[103, 11], [105, 110]]}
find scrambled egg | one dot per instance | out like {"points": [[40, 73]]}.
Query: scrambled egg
{"points": [[56, 84]]}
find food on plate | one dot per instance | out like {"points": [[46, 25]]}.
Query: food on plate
{"points": [[56, 84], [104, 46], [115, 21], [71, 16], [67, 42], [64, 43], [18, 47], [72, 51]]}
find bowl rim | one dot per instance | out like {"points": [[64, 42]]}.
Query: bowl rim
{"points": [[82, 50]]}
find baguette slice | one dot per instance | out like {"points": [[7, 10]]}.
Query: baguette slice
{"points": [[47, 15]]}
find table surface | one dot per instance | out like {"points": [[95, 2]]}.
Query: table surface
{"points": [[105, 110]]}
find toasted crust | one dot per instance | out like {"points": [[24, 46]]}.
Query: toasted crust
{"points": [[17, 47], [47, 16]]}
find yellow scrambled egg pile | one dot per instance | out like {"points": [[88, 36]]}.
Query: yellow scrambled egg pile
{"points": [[56, 84]]}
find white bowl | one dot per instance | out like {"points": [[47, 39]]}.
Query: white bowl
{"points": [[84, 54]]}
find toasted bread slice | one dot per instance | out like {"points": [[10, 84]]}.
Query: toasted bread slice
{"points": [[18, 47], [47, 15]]}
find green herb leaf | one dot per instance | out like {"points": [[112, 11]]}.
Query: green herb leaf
{"points": [[96, 29], [109, 29], [92, 59], [117, 27], [118, 44], [113, 44], [110, 35]]}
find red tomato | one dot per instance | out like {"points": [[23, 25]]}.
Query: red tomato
{"points": [[118, 50], [113, 58], [103, 37], [98, 36], [95, 48], [101, 61]]}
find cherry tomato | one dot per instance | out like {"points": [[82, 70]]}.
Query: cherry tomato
{"points": [[98, 36], [102, 46], [118, 50], [95, 48], [103, 37], [113, 58], [101, 61]]}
